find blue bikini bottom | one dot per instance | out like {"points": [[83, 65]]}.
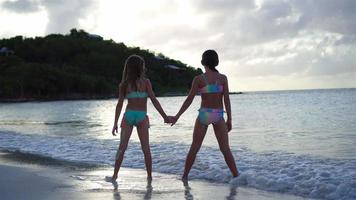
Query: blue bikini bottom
{"points": [[134, 117]]}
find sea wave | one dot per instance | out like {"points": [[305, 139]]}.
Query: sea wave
{"points": [[276, 171]]}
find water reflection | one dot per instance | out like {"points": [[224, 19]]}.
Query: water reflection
{"points": [[116, 193], [187, 194], [233, 193], [147, 196], [149, 189]]}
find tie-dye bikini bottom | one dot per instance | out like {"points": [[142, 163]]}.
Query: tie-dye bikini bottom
{"points": [[210, 115]]}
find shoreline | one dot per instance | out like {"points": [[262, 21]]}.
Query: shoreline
{"points": [[65, 182], [21, 100]]}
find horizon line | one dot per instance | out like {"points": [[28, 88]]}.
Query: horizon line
{"points": [[299, 89]]}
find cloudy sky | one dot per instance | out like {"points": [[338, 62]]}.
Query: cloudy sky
{"points": [[263, 44]]}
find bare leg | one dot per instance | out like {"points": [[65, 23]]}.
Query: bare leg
{"points": [[124, 140], [143, 135], [198, 137], [222, 136]]}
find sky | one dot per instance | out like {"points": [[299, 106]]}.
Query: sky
{"points": [[262, 44]]}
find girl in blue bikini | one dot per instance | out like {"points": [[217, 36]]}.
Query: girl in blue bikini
{"points": [[214, 90], [135, 88]]}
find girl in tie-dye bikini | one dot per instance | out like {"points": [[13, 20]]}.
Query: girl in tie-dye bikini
{"points": [[214, 90]]}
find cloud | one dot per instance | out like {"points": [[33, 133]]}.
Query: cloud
{"points": [[257, 40], [229, 6], [329, 15], [290, 39], [23, 6], [63, 15], [250, 22], [283, 38], [314, 54]]}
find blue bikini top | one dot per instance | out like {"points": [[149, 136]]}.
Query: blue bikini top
{"points": [[211, 88], [136, 94]]}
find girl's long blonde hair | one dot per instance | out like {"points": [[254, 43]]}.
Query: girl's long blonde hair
{"points": [[134, 69]]}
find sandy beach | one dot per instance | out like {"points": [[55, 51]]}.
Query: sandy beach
{"points": [[34, 180]]}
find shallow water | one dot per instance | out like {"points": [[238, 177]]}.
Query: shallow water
{"points": [[298, 142]]}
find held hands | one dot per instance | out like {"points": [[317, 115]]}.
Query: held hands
{"points": [[171, 120], [167, 119]]}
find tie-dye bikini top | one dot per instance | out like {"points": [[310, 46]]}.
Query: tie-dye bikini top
{"points": [[211, 88]]}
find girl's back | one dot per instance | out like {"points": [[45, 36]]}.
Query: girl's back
{"points": [[136, 95], [211, 89]]}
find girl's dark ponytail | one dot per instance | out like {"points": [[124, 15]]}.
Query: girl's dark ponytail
{"points": [[210, 59]]}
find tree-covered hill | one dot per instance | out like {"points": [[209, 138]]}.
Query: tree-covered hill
{"points": [[79, 65]]}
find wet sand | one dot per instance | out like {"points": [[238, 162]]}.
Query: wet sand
{"points": [[32, 181]]}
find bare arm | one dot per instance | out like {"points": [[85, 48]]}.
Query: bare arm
{"points": [[193, 91], [118, 109], [227, 104], [155, 102]]}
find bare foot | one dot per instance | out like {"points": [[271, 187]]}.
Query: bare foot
{"points": [[110, 179], [185, 183]]}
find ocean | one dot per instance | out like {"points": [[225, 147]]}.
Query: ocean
{"points": [[299, 142]]}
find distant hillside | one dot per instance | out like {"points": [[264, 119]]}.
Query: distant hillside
{"points": [[79, 66]]}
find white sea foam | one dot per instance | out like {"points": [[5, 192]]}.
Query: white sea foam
{"points": [[274, 171]]}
